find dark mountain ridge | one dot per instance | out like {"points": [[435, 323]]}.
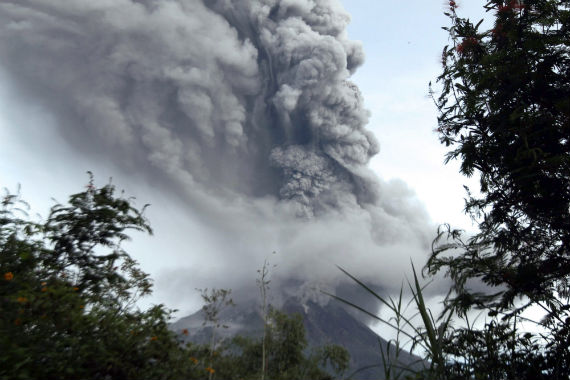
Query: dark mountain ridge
{"points": [[324, 324]]}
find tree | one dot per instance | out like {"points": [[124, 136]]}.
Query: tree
{"points": [[263, 282], [286, 353], [215, 301], [68, 294], [504, 111]]}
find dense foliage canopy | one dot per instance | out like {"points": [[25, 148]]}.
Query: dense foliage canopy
{"points": [[504, 111]]}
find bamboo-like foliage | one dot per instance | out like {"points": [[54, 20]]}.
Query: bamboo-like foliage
{"points": [[426, 338]]}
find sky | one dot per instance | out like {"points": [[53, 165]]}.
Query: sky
{"points": [[405, 46], [192, 247]]}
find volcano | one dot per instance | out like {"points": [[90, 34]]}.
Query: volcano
{"points": [[324, 324]]}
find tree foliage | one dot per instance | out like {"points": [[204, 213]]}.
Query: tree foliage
{"points": [[287, 354], [215, 300], [504, 112], [68, 292], [68, 305]]}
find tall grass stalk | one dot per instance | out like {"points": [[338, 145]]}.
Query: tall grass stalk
{"points": [[427, 336]]}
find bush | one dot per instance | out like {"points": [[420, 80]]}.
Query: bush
{"points": [[68, 294]]}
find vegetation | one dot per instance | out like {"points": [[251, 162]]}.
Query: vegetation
{"points": [[68, 294], [215, 300], [68, 290], [263, 282], [504, 111], [287, 355]]}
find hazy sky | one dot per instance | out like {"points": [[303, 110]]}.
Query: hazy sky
{"points": [[402, 44]]}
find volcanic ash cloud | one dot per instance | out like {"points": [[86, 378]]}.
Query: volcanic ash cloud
{"points": [[244, 108]]}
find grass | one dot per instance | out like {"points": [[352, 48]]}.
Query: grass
{"points": [[427, 336]]}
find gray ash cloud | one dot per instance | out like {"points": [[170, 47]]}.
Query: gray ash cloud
{"points": [[243, 107]]}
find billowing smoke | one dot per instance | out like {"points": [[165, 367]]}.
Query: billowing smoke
{"points": [[243, 109]]}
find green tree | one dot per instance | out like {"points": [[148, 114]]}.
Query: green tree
{"points": [[68, 292], [286, 354], [504, 111], [215, 301]]}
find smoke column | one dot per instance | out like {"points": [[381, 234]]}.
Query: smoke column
{"points": [[243, 109]]}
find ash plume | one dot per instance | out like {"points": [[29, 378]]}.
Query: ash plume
{"points": [[244, 109]]}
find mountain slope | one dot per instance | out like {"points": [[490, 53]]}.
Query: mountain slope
{"points": [[328, 324]]}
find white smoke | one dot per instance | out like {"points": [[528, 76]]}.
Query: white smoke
{"points": [[243, 108]]}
